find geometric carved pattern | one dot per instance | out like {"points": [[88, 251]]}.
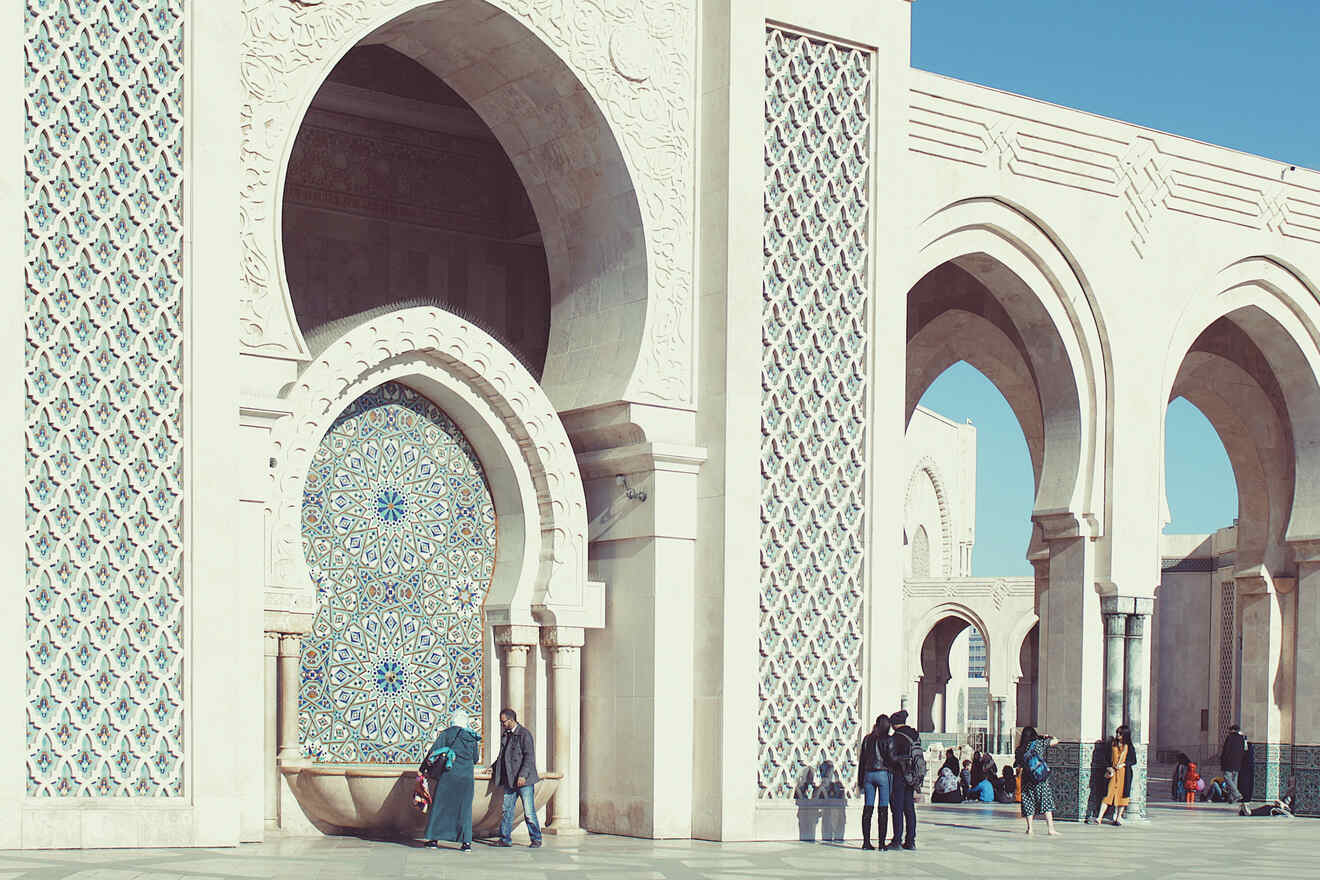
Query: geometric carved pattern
{"points": [[399, 532], [1227, 644], [104, 461], [813, 408]]}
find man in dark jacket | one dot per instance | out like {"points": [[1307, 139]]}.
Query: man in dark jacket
{"points": [[1231, 757], [514, 771], [902, 799]]}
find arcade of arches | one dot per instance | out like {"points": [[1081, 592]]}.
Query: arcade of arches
{"points": [[383, 358]]}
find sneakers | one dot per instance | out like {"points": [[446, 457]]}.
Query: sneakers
{"points": [[505, 843], [1092, 820], [467, 847], [534, 844]]}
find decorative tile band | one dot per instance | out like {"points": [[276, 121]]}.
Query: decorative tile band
{"points": [[814, 381], [399, 532], [104, 400]]}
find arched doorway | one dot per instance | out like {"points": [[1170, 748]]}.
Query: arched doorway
{"points": [[1247, 361], [953, 694]]}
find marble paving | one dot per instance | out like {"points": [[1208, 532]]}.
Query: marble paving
{"points": [[969, 841]]}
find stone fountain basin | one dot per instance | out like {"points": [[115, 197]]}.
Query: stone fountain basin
{"points": [[375, 800]]}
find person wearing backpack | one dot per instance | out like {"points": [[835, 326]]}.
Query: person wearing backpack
{"points": [[874, 777], [1037, 796], [909, 772]]}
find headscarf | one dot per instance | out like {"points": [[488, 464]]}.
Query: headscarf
{"points": [[460, 718]]}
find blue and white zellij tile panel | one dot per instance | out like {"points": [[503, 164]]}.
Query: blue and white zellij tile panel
{"points": [[103, 189], [814, 389], [399, 534]]}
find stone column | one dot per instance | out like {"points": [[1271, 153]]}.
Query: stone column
{"points": [[1137, 676], [1115, 649], [563, 648], [290, 656], [939, 720], [514, 643], [271, 728]]}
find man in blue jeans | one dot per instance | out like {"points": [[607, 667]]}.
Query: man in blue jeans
{"points": [[515, 773], [902, 799]]}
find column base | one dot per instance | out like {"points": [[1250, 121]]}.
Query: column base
{"points": [[564, 829], [1072, 767]]}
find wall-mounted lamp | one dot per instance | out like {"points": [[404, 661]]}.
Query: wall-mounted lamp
{"points": [[629, 491]]}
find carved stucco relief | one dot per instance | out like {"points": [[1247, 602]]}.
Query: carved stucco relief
{"points": [[635, 59], [420, 341]]}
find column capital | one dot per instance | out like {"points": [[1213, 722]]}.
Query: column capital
{"points": [[271, 644], [1136, 626], [1306, 551], [515, 634], [291, 645], [1065, 524], [1118, 604], [563, 636], [1115, 625]]}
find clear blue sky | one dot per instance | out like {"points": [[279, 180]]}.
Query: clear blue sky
{"points": [[1244, 75]]}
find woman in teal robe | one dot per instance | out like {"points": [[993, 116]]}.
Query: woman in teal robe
{"points": [[451, 789]]}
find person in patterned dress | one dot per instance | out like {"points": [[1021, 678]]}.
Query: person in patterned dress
{"points": [[1037, 797]]}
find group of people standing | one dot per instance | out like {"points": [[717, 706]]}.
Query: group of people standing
{"points": [[887, 775], [449, 780]]}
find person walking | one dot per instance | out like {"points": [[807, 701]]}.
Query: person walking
{"points": [[873, 778], [1231, 757], [514, 772], [448, 769], [906, 760], [1122, 766], [1037, 796]]}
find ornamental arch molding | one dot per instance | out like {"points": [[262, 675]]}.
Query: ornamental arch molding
{"points": [[927, 622], [927, 467], [1006, 248], [541, 564], [1277, 310], [596, 112]]}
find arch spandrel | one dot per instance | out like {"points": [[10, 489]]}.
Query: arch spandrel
{"points": [[632, 63]]}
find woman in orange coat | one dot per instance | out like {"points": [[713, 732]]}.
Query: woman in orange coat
{"points": [[1122, 764]]}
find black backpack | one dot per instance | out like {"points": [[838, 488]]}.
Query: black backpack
{"points": [[912, 766]]}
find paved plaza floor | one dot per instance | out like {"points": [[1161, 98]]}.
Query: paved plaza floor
{"points": [[967, 841]]}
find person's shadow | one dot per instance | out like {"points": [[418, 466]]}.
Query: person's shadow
{"points": [[822, 802]]}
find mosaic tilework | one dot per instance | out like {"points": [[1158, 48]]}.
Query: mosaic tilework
{"points": [[399, 532], [814, 378], [1273, 767], [104, 461], [1072, 767], [1306, 778]]}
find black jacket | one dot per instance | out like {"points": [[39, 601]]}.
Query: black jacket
{"points": [[877, 753], [905, 739], [517, 758], [1234, 750]]}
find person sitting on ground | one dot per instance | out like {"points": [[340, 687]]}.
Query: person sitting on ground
{"points": [[1216, 791], [988, 768], [1006, 790], [946, 788], [951, 762], [965, 778], [983, 791]]}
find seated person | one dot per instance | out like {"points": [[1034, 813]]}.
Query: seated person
{"points": [[946, 788], [1006, 790], [1216, 791], [983, 791]]}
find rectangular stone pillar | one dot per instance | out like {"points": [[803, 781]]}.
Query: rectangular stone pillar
{"points": [[1305, 756], [1268, 626], [1070, 638]]}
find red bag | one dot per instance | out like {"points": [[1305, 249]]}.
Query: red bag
{"points": [[421, 794]]}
